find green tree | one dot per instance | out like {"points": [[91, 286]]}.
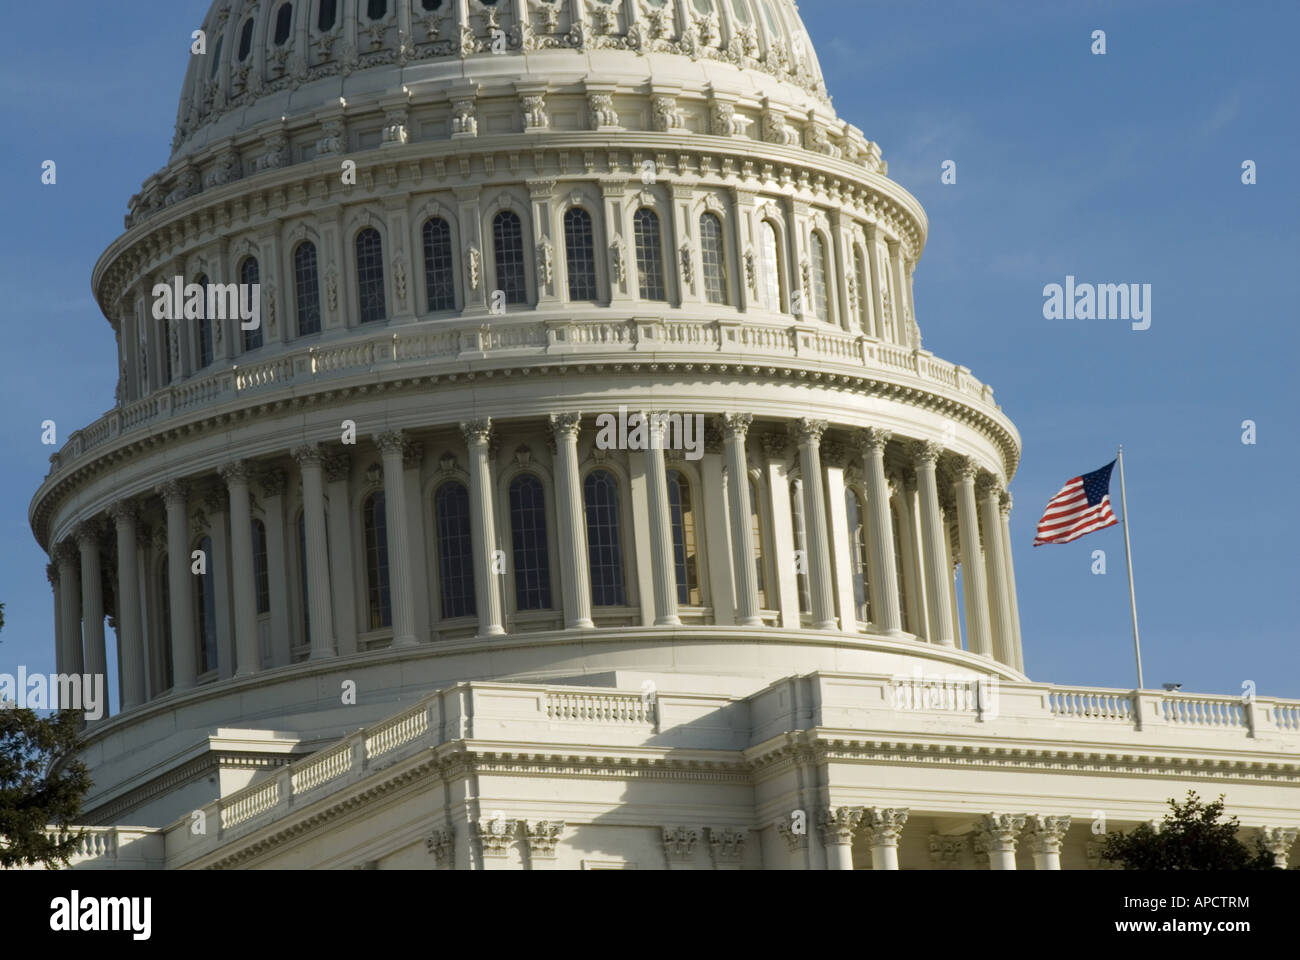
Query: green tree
{"points": [[1191, 837], [33, 795]]}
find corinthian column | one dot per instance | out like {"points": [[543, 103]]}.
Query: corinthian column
{"points": [[130, 632], [310, 461], [995, 563], [1004, 505], [576, 585], [661, 531], [882, 829], [736, 428], [52, 575], [883, 568], [487, 585], [392, 448], [974, 590], [65, 555], [248, 655], [92, 601], [838, 825], [821, 585], [180, 586], [999, 832], [1278, 841], [933, 553], [1045, 835]]}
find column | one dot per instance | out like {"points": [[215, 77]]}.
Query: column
{"points": [[883, 571], [218, 567], [717, 528], [572, 540], [661, 533], [412, 460], [319, 608], [882, 829], [92, 602], [877, 278], [735, 430], [277, 565], [52, 575], [338, 469], [65, 555], [913, 580], [1278, 841], [934, 563], [180, 585], [130, 633], [902, 322], [841, 547], [392, 448], [974, 589], [248, 656], [487, 585], [1045, 835], [786, 588], [820, 583], [999, 832], [837, 825], [1004, 508], [999, 595]]}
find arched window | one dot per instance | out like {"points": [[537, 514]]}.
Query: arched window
{"points": [[508, 242], [283, 24], [375, 524], [306, 281], [455, 550], [431, 5], [756, 524], [205, 610], [302, 578], [769, 266], [206, 344], [261, 572], [649, 255], [439, 280], [246, 40], [713, 259], [249, 276], [898, 567], [820, 279], [860, 278], [685, 557], [326, 14], [370, 276], [165, 622], [604, 540], [858, 555], [528, 528], [580, 254], [800, 546], [376, 9]]}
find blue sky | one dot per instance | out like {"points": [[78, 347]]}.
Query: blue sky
{"points": [[1123, 168]]}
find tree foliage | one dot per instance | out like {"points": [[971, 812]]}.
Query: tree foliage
{"points": [[1191, 837]]}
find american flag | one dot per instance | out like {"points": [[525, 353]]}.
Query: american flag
{"points": [[1082, 506]]}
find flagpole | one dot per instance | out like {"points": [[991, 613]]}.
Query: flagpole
{"points": [[1128, 558]]}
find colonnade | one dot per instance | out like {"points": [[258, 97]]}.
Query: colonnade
{"points": [[742, 540]]}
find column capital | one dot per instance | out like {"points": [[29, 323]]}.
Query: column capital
{"points": [[124, 511], [871, 439], [999, 830], [236, 472], [989, 485], [309, 455], [1046, 833], [679, 843], [807, 430], [967, 468], [496, 835], [390, 443], [476, 431], [542, 836], [273, 483], [87, 533], [173, 492], [793, 841], [736, 424], [66, 551], [923, 452], [727, 844], [1004, 503], [565, 426], [52, 573], [838, 824], [1278, 841], [884, 826], [338, 466]]}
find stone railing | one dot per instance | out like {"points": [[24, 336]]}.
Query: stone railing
{"points": [[600, 707], [452, 347], [1088, 704]]}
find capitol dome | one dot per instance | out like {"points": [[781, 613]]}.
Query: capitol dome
{"points": [[506, 256]]}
